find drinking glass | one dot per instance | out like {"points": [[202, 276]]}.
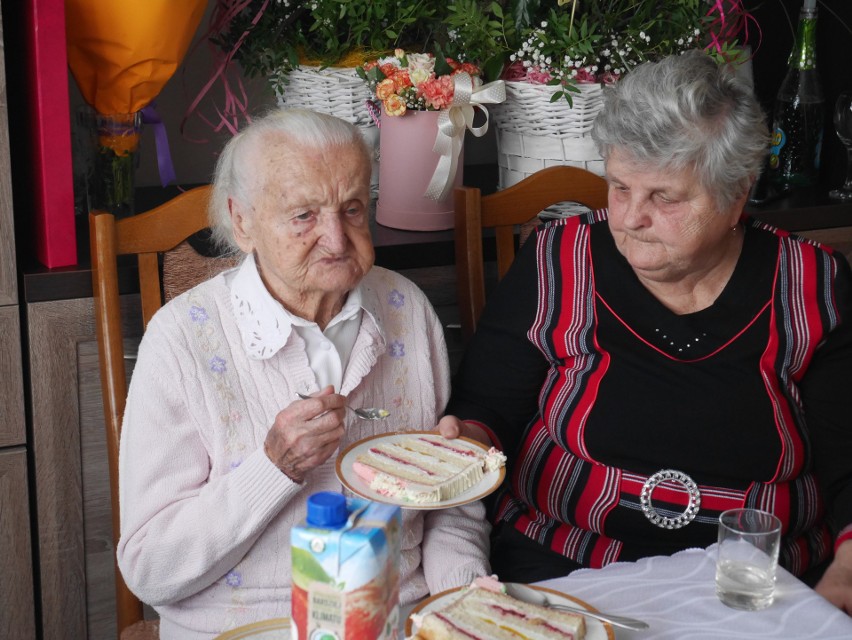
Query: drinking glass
{"points": [[749, 540], [843, 126]]}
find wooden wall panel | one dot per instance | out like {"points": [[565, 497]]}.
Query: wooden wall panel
{"points": [[60, 331], [12, 428], [17, 613]]}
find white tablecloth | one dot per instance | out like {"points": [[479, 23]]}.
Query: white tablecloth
{"points": [[676, 595]]}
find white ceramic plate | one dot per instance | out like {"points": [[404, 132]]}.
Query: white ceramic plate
{"points": [[490, 481], [595, 629], [274, 629]]}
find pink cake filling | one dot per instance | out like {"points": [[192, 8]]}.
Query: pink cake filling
{"points": [[441, 445], [384, 454]]}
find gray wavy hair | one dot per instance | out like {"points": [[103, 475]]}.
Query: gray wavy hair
{"points": [[237, 169], [687, 112]]}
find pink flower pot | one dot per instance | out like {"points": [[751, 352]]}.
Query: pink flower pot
{"points": [[406, 165]]}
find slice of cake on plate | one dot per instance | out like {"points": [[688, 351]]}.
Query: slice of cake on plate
{"points": [[489, 614], [425, 468]]}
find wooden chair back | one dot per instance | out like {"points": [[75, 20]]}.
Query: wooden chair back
{"points": [[146, 235], [503, 211]]}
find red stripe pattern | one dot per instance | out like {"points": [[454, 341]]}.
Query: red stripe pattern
{"points": [[563, 498]]}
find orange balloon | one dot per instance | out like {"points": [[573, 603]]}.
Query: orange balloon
{"points": [[122, 53]]}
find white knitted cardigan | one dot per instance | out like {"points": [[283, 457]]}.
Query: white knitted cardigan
{"points": [[205, 516]]}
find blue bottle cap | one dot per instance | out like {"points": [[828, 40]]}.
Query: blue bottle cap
{"points": [[327, 509]]}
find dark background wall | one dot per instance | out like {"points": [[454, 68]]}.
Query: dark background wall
{"points": [[194, 151]]}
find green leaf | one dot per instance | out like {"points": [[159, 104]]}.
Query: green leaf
{"points": [[441, 66], [493, 67], [524, 11], [306, 569]]}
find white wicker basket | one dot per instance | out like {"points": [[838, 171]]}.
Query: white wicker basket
{"points": [[533, 133], [337, 91]]}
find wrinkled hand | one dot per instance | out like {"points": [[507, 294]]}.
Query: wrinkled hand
{"points": [[836, 583], [451, 427], [306, 433]]}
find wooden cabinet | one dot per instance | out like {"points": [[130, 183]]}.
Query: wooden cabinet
{"points": [[17, 619], [75, 548], [17, 608], [12, 431]]}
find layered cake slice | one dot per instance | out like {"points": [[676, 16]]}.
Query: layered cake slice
{"points": [[486, 614], [424, 467]]}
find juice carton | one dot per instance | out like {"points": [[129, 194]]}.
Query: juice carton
{"points": [[346, 570]]}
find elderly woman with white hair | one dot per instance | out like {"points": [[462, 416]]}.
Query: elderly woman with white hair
{"points": [[218, 452], [649, 366]]}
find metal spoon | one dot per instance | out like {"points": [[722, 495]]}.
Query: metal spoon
{"points": [[367, 413], [526, 593]]}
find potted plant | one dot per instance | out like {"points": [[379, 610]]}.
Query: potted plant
{"points": [[308, 50], [421, 144], [555, 56], [274, 38]]}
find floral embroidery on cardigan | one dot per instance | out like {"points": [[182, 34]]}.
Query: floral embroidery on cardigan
{"points": [[396, 349], [396, 299], [218, 367], [230, 418], [396, 328]]}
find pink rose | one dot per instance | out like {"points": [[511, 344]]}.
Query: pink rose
{"points": [[438, 92], [584, 76], [515, 71], [537, 75]]}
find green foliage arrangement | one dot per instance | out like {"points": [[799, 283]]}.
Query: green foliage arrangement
{"points": [[271, 37], [566, 42], [558, 42]]}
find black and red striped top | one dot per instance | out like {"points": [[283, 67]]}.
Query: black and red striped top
{"points": [[592, 385]]}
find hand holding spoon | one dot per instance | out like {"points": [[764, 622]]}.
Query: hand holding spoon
{"points": [[367, 413]]}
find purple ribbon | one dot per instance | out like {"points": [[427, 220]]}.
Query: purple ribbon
{"points": [[164, 156]]}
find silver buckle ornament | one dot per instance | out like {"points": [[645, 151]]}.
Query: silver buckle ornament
{"points": [[691, 509]]}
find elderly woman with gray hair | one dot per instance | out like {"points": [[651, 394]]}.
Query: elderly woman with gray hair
{"points": [[651, 365], [218, 452]]}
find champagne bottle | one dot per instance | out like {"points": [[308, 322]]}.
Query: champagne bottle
{"points": [[798, 116]]}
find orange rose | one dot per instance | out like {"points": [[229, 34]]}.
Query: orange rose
{"points": [[385, 89], [395, 106], [402, 80]]}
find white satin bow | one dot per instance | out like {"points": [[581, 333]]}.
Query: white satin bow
{"points": [[452, 123]]}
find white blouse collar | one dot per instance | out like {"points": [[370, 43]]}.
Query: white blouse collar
{"points": [[264, 324]]}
